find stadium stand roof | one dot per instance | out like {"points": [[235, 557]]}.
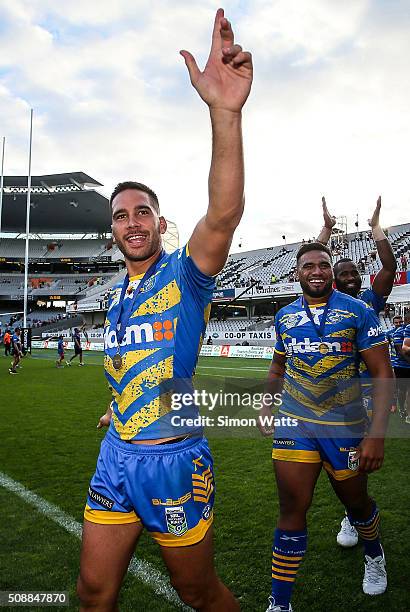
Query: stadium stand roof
{"points": [[60, 203]]}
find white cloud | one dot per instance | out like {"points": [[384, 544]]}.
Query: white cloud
{"points": [[328, 112]]}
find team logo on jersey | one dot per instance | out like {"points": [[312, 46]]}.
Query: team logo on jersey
{"points": [[336, 316], [176, 520], [149, 284]]}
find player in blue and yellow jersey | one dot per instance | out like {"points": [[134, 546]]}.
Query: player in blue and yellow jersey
{"points": [[151, 473], [400, 339], [349, 281], [320, 340]]}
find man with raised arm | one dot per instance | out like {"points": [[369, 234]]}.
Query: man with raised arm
{"points": [[319, 338], [152, 473], [349, 281]]}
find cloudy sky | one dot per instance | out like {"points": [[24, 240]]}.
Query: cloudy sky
{"points": [[328, 113]]}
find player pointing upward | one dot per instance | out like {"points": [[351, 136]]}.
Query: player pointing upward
{"points": [[149, 474]]}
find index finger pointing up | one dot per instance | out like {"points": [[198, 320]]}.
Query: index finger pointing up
{"points": [[222, 35]]}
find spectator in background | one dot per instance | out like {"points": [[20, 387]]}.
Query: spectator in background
{"points": [[7, 343]]}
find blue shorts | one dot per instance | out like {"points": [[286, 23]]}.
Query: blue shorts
{"points": [[332, 446], [168, 488]]}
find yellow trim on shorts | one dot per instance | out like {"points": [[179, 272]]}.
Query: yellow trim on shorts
{"points": [[192, 536], [339, 474], [340, 423], [300, 456], [279, 352], [106, 517]]}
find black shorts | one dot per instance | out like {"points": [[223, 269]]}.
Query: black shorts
{"points": [[78, 351]]}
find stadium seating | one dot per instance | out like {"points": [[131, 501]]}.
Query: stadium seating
{"points": [[261, 265]]}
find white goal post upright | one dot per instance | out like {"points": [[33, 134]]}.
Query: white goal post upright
{"points": [[2, 180], [27, 222]]}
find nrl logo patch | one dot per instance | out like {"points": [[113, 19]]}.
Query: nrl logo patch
{"points": [[176, 520], [352, 462]]}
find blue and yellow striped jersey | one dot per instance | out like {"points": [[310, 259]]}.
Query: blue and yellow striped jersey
{"points": [[161, 344], [398, 335], [321, 377]]}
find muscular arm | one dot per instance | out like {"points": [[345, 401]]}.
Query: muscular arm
{"points": [[210, 242], [404, 349], [224, 85], [274, 386], [378, 364], [383, 283], [329, 223]]}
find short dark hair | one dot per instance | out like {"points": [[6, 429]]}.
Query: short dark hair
{"points": [[312, 246], [343, 260], [138, 187]]}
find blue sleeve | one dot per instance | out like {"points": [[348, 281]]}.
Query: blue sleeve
{"points": [[369, 330], [398, 335], [279, 345], [201, 284], [406, 334], [373, 299]]}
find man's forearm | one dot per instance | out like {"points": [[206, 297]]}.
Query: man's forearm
{"points": [[384, 250], [324, 235], [382, 397], [226, 175]]}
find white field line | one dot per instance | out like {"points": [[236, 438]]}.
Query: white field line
{"points": [[143, 570], [200, 367]]}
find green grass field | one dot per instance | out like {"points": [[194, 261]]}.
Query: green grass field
{"points": [[49, 443]]}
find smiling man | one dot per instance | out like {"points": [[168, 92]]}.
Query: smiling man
{"points": [[349, 281], [319, 338], [151, 474]]}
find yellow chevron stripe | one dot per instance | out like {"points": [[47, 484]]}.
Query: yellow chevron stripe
{"points": [[202, 476], [152, 376], [145, 416], [163, 300], [202, 485], [203, 493], [129, 360], [342, 398]]}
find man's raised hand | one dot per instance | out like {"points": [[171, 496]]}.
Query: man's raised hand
{"points": [[330, 220], [226, 80], [375, 220]]}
